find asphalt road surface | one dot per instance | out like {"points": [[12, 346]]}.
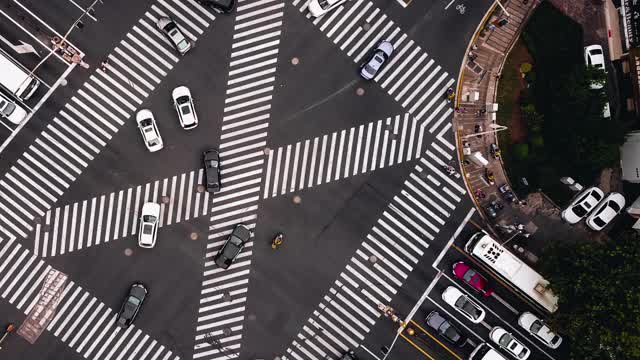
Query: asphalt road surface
{"points": [[349, 170]]}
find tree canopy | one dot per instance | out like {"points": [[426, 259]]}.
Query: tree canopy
{"points": [[599, 289]]}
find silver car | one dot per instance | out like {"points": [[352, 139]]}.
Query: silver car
{"points": [[174, 34], [376, 60]]}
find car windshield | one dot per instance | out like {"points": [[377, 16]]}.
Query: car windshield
{"points": [[614, 206], [555, 339], [504, 340], [596, 52], [324, 4], [145, 122], [579, 210], [149, 218], [599, 222], [182, 99], [8, 109], [469, 275], [536, 326], [449, 331], [133, 300], [147, 229], [468, 307], [182, 44]]}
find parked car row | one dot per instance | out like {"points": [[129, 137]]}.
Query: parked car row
{"points": [[592, 200], [471, 310]]}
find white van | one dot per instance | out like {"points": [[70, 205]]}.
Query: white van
{"points": [[15, 77], [484, 351]]}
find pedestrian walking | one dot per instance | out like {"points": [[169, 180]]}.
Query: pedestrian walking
{"points": [[104, 65]]}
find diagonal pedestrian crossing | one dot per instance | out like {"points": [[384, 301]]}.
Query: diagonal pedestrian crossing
{"points": [[382, 262], [84, 323], [411, 77], [113, 216], [345, 153], [247, 110], [94, 114]]}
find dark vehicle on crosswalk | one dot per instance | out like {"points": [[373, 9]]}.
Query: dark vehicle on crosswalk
{"points": [[132, 304], [212, 170], [445, 328], [349, 355], [226, 6], [233, 246], [174, 34]]}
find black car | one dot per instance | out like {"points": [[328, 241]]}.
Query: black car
{"points": [[132, 305], [349, 355], [212, 170], [226, 6], [232, 247], [445, 329]]}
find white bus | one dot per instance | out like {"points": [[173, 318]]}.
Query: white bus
{"points": [[518, 274], [15, 77]]}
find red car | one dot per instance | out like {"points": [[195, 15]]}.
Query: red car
{"points": [[478, 282]]}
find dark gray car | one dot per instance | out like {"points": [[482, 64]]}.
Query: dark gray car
{"points": [[211, 160], [376, 60], [132, 304], [445, 329], [233, 246]]}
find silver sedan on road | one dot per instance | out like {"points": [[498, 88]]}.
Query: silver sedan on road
{"points": [[376, 60]]}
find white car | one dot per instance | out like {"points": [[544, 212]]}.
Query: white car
{"points": [[594, 56], [606, 211], [508, 343], [463, 304], [148, 230], [376, 60], [582, 205], [539, 330], [321, 7], [11, 111], [183, 102], [175, 35], [149, 130]]}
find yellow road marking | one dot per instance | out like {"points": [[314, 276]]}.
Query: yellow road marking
{"points": [[436, 340], [417, 347]]}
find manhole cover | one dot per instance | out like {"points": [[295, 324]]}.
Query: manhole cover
{"points": [[366, 27], [423, 175], [37, 220], [226, 296], [226, 331], [297, 199], [194, 236], [200, 188], [295, 61], [359, 91], [165, 199], [394, 136], [128, 251], [251, 317], [373, 259], [267, 151], [46, 228]]}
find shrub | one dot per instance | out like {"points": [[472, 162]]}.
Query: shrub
{"points": [[521, 151], [525, 68]]}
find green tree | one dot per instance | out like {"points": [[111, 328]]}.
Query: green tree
{"points": [[599, 289]]}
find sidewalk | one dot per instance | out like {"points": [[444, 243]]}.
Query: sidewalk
{"points": [[475, 102]]}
